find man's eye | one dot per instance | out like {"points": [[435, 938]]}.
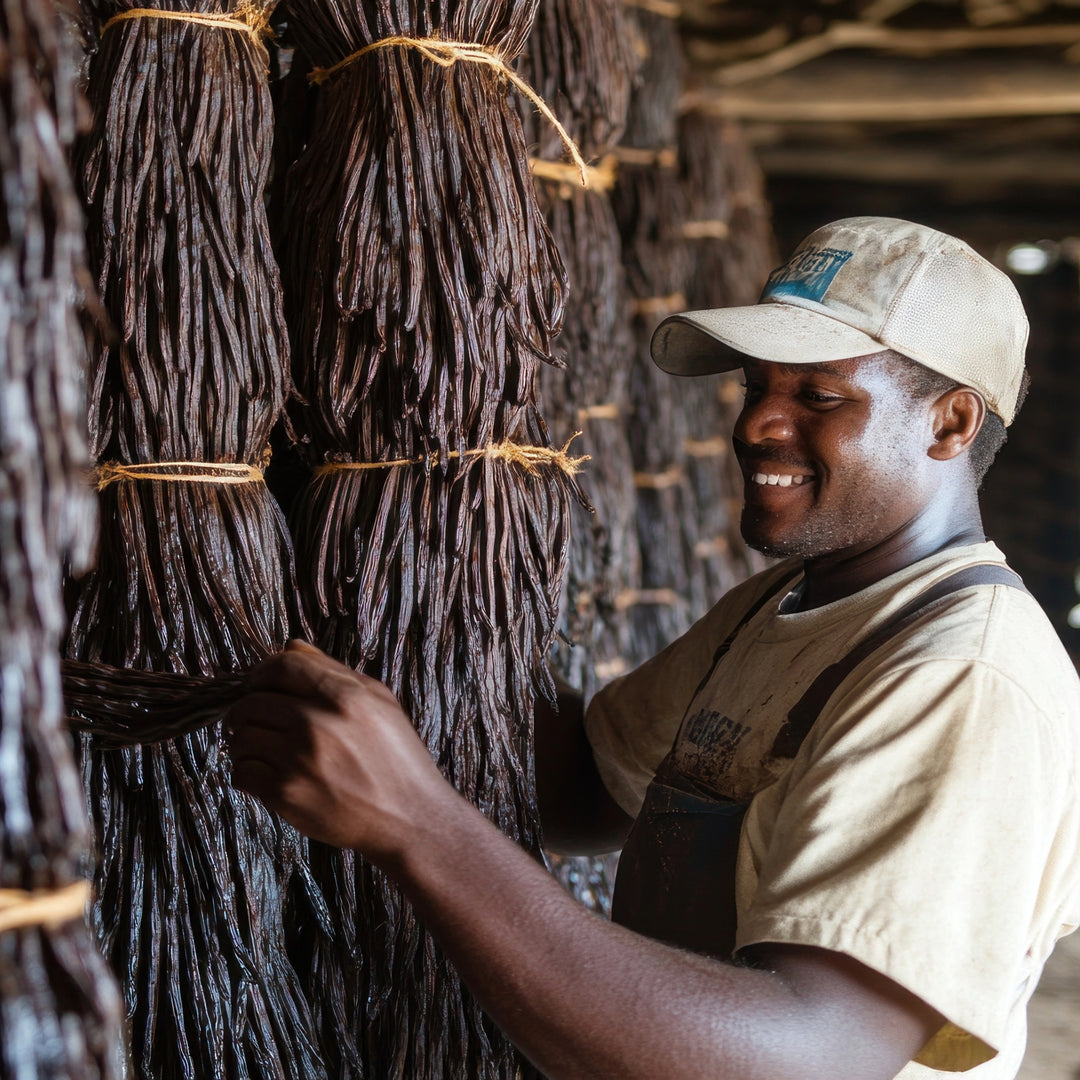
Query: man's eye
{"points": [[822, 397]]}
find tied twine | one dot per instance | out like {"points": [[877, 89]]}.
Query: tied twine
{"points": [[714, 229], [246, 18], [649, 306], [600, 177], [530, 458], [607, 411], [706, 448], [611, 669], [191, 472], [446, 54], [710, 549], [659, 480], [629, 598], [664, 8], [43, 907], [666, 157]]}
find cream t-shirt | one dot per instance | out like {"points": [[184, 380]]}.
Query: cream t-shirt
{"points": [[929, 826]]}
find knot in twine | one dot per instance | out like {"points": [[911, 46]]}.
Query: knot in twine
{"points": [[43, 907], [446, 54], [530, 458], [247, 18]]}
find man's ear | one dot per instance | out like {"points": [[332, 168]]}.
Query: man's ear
{"points": [[958, 416]]}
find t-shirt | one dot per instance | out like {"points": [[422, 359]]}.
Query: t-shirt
{"points": [[929, 826]]}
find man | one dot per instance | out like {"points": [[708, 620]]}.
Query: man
{"points": [[854, 778]]}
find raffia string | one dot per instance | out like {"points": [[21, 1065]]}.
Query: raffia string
{"points": [[659, 305], [599, 177], [709, 549], [529, 457], [610, 669], [629, 598], [191, 472], [659, 480], [706, 448], [247, 18], [664, 8], [447, 54], [43, 907], [665, 158], [716, 229], [607, 411]]}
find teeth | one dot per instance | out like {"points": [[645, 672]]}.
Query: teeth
{"points": [[779, 479]]}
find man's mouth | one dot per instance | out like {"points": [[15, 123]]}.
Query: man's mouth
{"points": [[779, 479]]}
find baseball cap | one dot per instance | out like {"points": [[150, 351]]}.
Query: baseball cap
{"points": [[859, 286]]}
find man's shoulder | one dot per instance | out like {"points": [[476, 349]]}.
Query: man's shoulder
{"points": [[996, 623]]}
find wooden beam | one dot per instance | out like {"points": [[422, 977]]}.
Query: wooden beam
{"points": [[849, 89], [875, 163]]}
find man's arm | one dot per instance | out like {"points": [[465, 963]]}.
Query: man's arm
{"points": [[577, 814], [333, 753]]}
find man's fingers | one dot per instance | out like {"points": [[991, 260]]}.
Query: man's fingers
{"points": [[258, 778], [264, 712], [302, 671]]}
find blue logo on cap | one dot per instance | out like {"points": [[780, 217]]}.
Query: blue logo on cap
{"points": [[807, 274]]}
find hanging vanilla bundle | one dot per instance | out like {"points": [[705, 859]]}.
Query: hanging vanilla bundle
{"points": [[581, 57], [728, 227], [649, 207], [729, 240], [194, 570], [60, 1012], [423, 289]]}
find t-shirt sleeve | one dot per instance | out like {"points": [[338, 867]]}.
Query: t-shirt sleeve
{"points": [[914, 832]]}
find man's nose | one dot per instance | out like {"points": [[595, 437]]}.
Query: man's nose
{"points": [[765, 419]]}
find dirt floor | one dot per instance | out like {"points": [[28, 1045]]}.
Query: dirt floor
{"points": [[1054, 1018]]}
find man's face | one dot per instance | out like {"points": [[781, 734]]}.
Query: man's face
{"points": [[833, 455]]}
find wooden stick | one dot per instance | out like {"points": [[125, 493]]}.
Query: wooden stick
{"points": [[895, 110]]}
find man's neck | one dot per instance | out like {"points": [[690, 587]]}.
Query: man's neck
{"points": [[837, 575]]}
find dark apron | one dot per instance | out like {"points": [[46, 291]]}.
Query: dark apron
{"points": [[677, 869], [676, 877]]}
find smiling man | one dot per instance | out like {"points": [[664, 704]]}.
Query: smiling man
{"points": [[856, 827]]}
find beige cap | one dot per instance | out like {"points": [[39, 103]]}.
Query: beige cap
{"points": [[859, 286]]}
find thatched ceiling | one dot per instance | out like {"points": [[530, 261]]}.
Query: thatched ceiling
{"points": [[973, 96]]}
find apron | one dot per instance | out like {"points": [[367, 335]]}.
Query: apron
{"points": [[676, 876]]}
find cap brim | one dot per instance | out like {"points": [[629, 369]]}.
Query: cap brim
{"points": [[719, 339]]}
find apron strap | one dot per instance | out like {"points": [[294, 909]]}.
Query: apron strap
{"points": [[807, 709], [725, 645]]}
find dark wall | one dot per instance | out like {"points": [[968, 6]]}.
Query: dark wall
{"points": [[1031, 497]]}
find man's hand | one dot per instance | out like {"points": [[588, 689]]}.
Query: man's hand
{"points": [[332, 751]]}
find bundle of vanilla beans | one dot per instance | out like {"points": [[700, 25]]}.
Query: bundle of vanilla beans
{"points": [[423, 289], [195, 881], [581, 57], [60, 1013], [731, 250], [650, 207]]}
